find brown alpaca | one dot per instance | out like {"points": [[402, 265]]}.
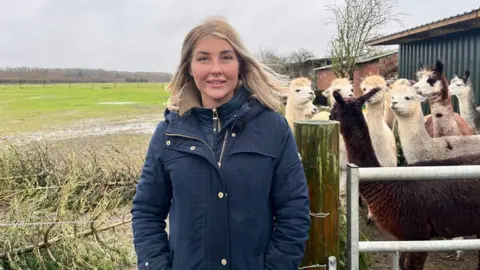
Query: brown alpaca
{"points": [[443, 121], [409, 210]]}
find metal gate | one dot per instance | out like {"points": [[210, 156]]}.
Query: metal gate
{"points": [[432, 173]]}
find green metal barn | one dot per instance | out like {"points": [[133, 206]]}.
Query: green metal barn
{"points": [[454, 40]]}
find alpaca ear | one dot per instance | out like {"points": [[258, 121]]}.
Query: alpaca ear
{"points": [[421, 98], [467, 76], [412, 82], [338, 97], [439, 66]]}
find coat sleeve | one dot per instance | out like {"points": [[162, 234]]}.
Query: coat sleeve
{"points": [[291, 208], [151, 205]]}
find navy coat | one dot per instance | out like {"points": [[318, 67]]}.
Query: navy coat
{"points": [[233, 186]]}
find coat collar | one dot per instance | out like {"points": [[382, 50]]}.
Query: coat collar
{"points": [[188, 124]]}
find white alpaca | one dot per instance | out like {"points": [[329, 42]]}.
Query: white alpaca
{"points": [[462, 88], [416, 143], [382, 136], [388, 115], [342, 84], [299, 102]]}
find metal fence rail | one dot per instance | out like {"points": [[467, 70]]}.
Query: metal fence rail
{"points": [[433, 173]]}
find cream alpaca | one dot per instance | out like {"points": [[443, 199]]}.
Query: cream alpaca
{"points": [[299, 101], [382, 136], [462, 88], [389, 117], [342, 84], [416, 143]]}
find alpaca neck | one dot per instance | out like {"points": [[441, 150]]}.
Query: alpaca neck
{"points": [[466, 104], [413, 134], [294, 112], [443, 118], [374, 114]]}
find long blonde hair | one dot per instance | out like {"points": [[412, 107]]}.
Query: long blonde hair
{"points": [[266, 85]]}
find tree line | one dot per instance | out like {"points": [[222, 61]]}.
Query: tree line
{"points": [[77, 75]]}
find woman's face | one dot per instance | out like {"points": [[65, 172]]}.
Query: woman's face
{"points": [[214, 68]]}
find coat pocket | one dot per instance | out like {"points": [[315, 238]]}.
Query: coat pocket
{"points": [[250, 172], [187, 173]]}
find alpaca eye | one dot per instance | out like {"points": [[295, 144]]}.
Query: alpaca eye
{"points": [[297, 90], [408, 98], [351, 90], [364, 89]]}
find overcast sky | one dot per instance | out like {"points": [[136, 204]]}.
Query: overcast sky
{"points": [[146, 35]]}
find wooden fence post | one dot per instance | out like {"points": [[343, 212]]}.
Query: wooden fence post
{"points": [[318, 145]]}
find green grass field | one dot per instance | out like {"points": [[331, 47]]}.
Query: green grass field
{"points": [[35, 107]]}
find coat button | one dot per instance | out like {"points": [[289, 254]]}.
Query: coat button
{"points": [[168, 142], [224, 262], [192, 148], [220, 195], [233, 134], [146, 264]]}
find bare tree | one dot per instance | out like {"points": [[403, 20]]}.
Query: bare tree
{"points": [[295, 62], [356, 22], [270, 57], [291, 64]]}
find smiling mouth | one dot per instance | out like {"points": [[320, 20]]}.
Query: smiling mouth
{"points": [[216, 82]]}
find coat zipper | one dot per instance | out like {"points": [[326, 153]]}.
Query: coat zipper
{"points": [[216, 121], [216, 128]]}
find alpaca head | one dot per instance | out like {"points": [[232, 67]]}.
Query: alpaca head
{"points": [[402, 81], [301, 91], [460, 86], [348, 111], [431, 84], [405, 101], [373, 82], [343, 85]]}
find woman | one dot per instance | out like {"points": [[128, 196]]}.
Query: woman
{"points": [[223, 164]]}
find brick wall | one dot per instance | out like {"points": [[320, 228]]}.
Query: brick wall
{"points": [[385, 66], [361, 71], [324, 78]]}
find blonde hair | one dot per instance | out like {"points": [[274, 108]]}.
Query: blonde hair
{"points": [[266, 85]]}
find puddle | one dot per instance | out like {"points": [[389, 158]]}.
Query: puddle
{"points": [[117, 103]]}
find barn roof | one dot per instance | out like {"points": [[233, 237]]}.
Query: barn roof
{"points": [[365, 59], [456, 23]]}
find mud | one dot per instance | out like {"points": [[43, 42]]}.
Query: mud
{"points": [[144, 124]]}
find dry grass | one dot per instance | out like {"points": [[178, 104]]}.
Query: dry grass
{"points": [[38, 185]]}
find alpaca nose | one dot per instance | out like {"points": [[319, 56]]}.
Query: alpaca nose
{"points": [[394, 102], [350, 95]]}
